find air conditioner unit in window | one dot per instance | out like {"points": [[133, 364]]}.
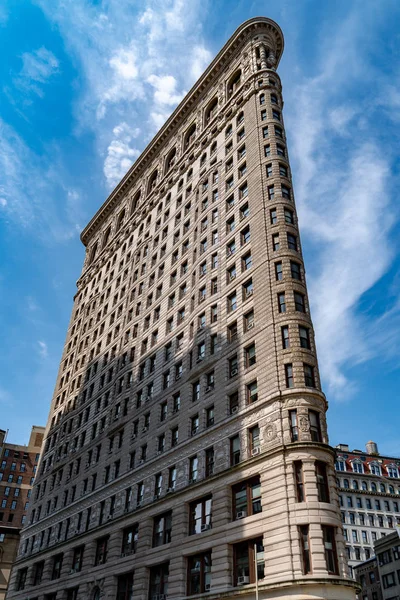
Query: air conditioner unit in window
{"points": [[205, 527], [202, 298], [199, 358], [191, 480], [126, 510], [156, 497], [241, 514], [133, 436], [178, 376], [72, 571], [141, 461], [144, 429], [256, 451], [109, 517], [249, 293], [207, 587], [209, 388], [243, 580], [158, 597], [234, 372], [123, 554], [250, 325], [232, 277], [234, 409]]}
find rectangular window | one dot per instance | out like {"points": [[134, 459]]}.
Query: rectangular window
{"points": [[315, 426], [125, 586], [299, 302], [330, 549], [246, 555], [285, 337], [250, 356], [246, 498], [289, 375], [309, 375], [200, 515], [57, 565], [281, 302], [193, 469], [298, 474], [162, 529], [295, 270], [305, 548], [199, 573], [235, 450], [304, 335], [322, 481], [159, 581], [209, 456], [294, 430]]}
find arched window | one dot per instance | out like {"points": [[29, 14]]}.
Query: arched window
{"points": [[354, 483], [211, 110], [234, 82], [391, 489], [364, 486], [152, 181], [93, 252], [189, 136], [382, 488], [96, 593], [240, 118], [373, 487], [170, 161], [120, 219], [106, 236], [135, 201], [346, 484]]}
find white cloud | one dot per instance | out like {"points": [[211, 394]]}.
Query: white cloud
{"points": [[3, 202], [121, 53], [201, 58], [342, 191], [37, 68], [43, 350], [120, 153], [165, 89]]}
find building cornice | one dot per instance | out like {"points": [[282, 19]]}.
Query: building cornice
{"points": [[171, 126]]}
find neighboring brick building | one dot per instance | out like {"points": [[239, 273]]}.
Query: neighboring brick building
{"points": [[17, 472], [186, 450], [369, 496], [367, 575]]}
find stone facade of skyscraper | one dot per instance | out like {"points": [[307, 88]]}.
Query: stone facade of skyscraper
{"points": [[186, 451]]}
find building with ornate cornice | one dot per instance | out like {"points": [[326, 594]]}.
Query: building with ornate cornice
{"points": [[186, 451], [369, 498]]}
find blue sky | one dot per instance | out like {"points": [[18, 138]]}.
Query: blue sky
{"points": [[85, 86]]}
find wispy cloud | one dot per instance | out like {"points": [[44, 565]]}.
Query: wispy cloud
{"points": [[37, 68], [343, 191], [43, 351], [32, 193]]}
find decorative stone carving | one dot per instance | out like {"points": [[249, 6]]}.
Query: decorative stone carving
{"points": [[270, 432]]}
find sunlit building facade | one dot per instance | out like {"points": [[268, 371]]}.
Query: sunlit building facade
{"points": [[186, 450]]}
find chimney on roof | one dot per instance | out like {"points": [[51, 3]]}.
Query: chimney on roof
{"points": [[372, 448], [343, 447]]}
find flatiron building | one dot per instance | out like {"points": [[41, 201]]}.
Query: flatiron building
{"points": [[186, 451]]}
